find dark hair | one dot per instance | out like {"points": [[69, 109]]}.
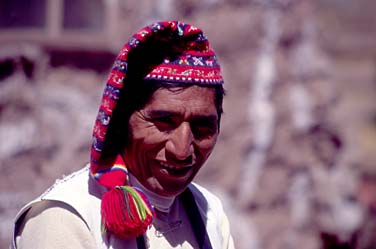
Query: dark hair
{"points": [[134, 96]]}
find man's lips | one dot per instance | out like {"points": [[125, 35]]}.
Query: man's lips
{"points": [[175, 170]]}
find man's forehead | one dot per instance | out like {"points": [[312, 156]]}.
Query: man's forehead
{"points": [[194, 98], [193, 92]]}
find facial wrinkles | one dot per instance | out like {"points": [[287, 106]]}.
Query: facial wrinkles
{"points": [[181, 143], [164, 131], [142, 134], [184, 111]]}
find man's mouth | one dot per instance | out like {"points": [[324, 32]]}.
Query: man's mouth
{"points": [[175, 170]]}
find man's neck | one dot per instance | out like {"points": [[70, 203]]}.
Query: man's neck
{"points": [[159, 202]]}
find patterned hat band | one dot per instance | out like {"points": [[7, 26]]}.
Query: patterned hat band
{"points": [[188, 69]]}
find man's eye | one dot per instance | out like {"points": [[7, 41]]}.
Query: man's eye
{"points": [[203, 132], [204, 128], [164, 123]]}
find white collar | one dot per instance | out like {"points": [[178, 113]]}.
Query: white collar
{"points": [[159, 202]]}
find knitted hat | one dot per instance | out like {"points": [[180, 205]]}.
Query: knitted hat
{"points": [[165, 51]]}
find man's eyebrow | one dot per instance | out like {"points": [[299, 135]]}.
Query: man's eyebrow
{"points": [[196, 118], [205, 118], [161, 113]]}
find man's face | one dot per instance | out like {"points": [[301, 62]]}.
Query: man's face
{"points": [[171, 138]]}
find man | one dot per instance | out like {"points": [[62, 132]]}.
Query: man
{"points": [[157, 124]]}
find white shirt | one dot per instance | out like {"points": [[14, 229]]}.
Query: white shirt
{"points": [[68, 216]]}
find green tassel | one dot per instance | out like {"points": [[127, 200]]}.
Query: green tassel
{"points": [[140, 204]]}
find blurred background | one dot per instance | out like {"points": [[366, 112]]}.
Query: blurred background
{"points": [[295, 162]]}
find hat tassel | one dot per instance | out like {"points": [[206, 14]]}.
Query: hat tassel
{"points": [[126, 212]]}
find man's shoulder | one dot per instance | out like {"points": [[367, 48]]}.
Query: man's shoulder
{"points": [[75, 180], [207, 202], [213, 215], [199, 190]]}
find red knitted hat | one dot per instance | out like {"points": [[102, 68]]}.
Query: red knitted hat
{"points": [[165, 51]]}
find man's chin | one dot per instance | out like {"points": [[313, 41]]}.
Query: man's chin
{"points": [[169, 189]]}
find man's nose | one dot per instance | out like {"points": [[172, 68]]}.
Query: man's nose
{"points": [[180, 144]]}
